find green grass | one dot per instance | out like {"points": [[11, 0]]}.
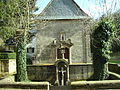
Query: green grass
{"points": [[114, 61]]}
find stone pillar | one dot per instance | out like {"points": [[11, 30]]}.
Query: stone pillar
{"points": [[63, 76], [57, 79], [69, 60], [56, 54], [84, 46], [88, 50], [0, 66], [68, 77]]}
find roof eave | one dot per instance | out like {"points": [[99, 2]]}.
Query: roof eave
{"points": [[63, 18]]}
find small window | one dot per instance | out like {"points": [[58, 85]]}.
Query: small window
{"points": [[62, 36], [30, 50], [4, 66], [66, 54]]}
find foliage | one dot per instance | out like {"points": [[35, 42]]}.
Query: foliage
{"points": [[116, 41], [103, 34], [116, 17], [8, 11], [25, 7], [6, 32], [15, 15]]}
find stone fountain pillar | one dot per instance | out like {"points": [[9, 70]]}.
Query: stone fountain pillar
{"points": [[62, 73]]}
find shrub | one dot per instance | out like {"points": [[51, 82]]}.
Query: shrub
{"points": [[6, 55]]}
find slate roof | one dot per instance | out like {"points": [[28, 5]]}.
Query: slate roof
{"points": [[62, 9]]}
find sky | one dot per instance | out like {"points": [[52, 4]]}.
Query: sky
{"points": [[94, 8]]}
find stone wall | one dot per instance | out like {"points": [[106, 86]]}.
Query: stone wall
{"points": [[47, 73], [41, 73], [96, 85], [80, 72], [8, 66], [76, 30], [24, 86]]}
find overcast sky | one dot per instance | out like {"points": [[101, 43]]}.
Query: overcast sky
{"points": [[95, 8]]}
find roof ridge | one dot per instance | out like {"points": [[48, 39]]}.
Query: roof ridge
{"points": [[46, 7], [79, 7]]}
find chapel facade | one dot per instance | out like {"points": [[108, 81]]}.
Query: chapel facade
{"points": [[62, 44]]}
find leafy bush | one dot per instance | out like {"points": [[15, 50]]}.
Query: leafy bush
{"points": [[103, 35]]}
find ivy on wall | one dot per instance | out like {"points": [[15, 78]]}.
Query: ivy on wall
{"points": [[21, 60]]}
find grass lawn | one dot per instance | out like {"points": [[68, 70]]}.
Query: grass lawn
{"points": [[114, 61]]}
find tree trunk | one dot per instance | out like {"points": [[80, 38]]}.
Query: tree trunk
{"points": [[100, 70], [21, 60]]}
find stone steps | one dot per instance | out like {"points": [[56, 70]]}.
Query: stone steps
{"points": [[25, 86], [19, 89], [60, 87]]}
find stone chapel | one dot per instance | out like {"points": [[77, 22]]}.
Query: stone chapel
{"points": [[61, 47]]}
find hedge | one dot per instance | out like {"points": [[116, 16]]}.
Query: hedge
{"points": [[4, 55]]}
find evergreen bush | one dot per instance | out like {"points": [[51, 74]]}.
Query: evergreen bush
{"points": [[103, 34]]}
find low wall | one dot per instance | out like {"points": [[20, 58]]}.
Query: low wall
{"points": [[113, 67], [80, 71], [25, 85], [96, 85], [48, 73], [41, 73]]}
